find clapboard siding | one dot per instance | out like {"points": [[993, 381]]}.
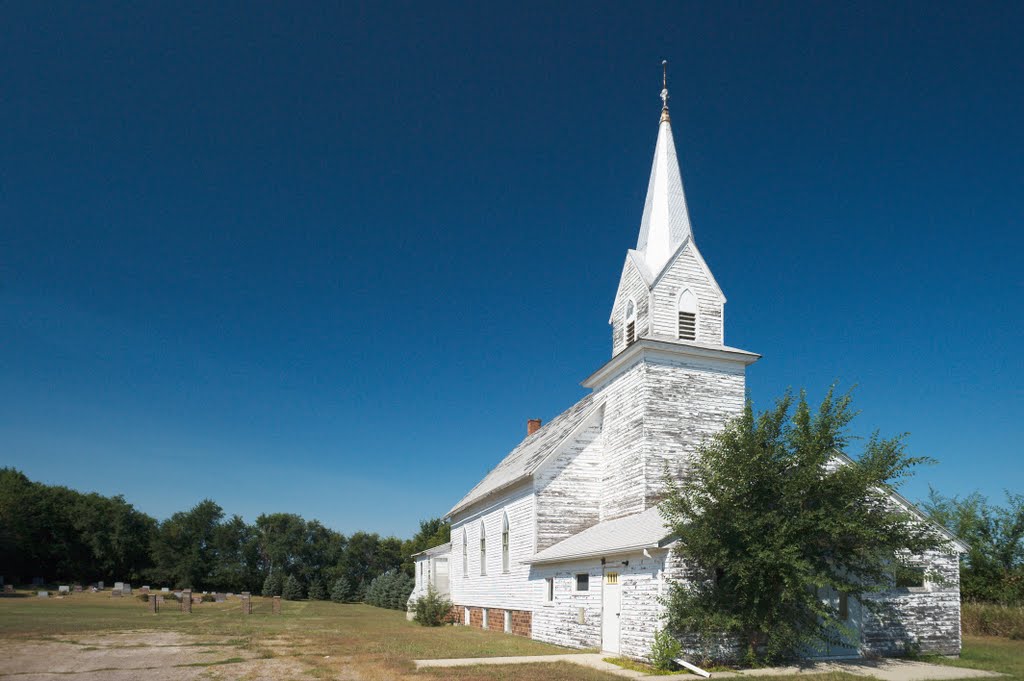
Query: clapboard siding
{"points": [[631, 286], [496, 589], [687, 401], [686, 272], [558, 621], [568, 487], [620, 495]]}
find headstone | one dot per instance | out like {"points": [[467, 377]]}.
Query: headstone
{"points": [[165, 590], [115, 593], [8, 588], [44, 594], [144, 589], [196, 598], [277, 605], [118, 586], [78, 588], [219, 597], [99, 585], [64, 590], [229, 595], [126, 589], [186, 601]]}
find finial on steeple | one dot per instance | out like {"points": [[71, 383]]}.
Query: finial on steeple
{"points": [[664, 91]]}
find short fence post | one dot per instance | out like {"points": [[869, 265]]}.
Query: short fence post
{"points": [[154, 606], [277, 605], [186, 601]]}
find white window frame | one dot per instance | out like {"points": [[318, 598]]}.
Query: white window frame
{"points": [[508, 621], [465, 554], [483, 622], [483, 549], [506, 542], [576, 584], [549, 590]]}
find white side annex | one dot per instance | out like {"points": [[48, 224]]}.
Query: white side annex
{"points": [[562, 541]]}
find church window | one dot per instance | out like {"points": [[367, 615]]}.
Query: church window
{"points": [[550, 583], [687, 315], [465, 554], [483, 549], [504, 543], [583, 582], [630, 326]]}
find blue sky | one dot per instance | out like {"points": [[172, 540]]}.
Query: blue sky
{"points": [[329, 258]]}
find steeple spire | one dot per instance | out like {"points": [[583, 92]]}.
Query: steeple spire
{"points": [[666, 221]]}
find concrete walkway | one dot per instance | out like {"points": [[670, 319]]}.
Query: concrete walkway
{"points": [[885, 670]]}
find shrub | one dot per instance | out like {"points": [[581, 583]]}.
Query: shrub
{"points": [[317, 592], [292, 590], [273, 584], [341, 590], [664, 650], [433, 609], [208, 598], [989, 619]]}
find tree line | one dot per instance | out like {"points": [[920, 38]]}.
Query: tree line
{"points": [[63, 535]]}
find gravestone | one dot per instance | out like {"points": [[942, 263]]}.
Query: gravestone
{"points": [[118, 586], [229, 595], [144, 589], [78, 588], [196, 598], [99, 585], [219, 597], [186, 601], [115, 593], [8, 588], [277, 605], [43, 594], [64, 590], [165, 590], [126, 589]]}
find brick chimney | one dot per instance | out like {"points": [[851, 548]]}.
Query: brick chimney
{"points": [[532, 426]]}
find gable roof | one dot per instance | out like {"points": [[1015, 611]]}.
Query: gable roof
{"points": [[522, 461], [645, 530]]}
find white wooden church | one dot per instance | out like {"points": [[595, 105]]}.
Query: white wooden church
{"points": [[563, 541]]}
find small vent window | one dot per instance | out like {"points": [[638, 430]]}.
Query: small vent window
{"points": [[611, 578], [687, 315], [630, 329], [583, 582]]}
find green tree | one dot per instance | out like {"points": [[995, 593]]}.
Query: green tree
{"points": [[184, 547], [273, 584], [769, 514], [993, 569], [292, 590], [341, 590], [317, 591]]}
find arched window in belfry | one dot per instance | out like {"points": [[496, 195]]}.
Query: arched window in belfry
{"points": [[687, 315], [629, 327]]}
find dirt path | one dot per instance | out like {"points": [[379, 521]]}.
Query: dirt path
{"points": [[157, 656]]}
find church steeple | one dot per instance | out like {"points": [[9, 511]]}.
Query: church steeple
{"points": [[666, 221]]}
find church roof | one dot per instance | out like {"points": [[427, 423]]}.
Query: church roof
{"points": [[522, 461], [666, 220], [645, 530], [438, 550]]}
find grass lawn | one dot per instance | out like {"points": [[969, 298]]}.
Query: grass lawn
{"points": [[324, 639], [56, 638]]}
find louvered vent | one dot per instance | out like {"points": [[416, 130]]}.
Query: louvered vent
{"points": [[630, 332], [687, 326]]}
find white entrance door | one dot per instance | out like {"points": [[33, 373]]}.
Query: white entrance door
{"points": [[611, 610], [848, 632]]}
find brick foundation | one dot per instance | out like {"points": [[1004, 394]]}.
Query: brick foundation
{"points": [[522, 620]]}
